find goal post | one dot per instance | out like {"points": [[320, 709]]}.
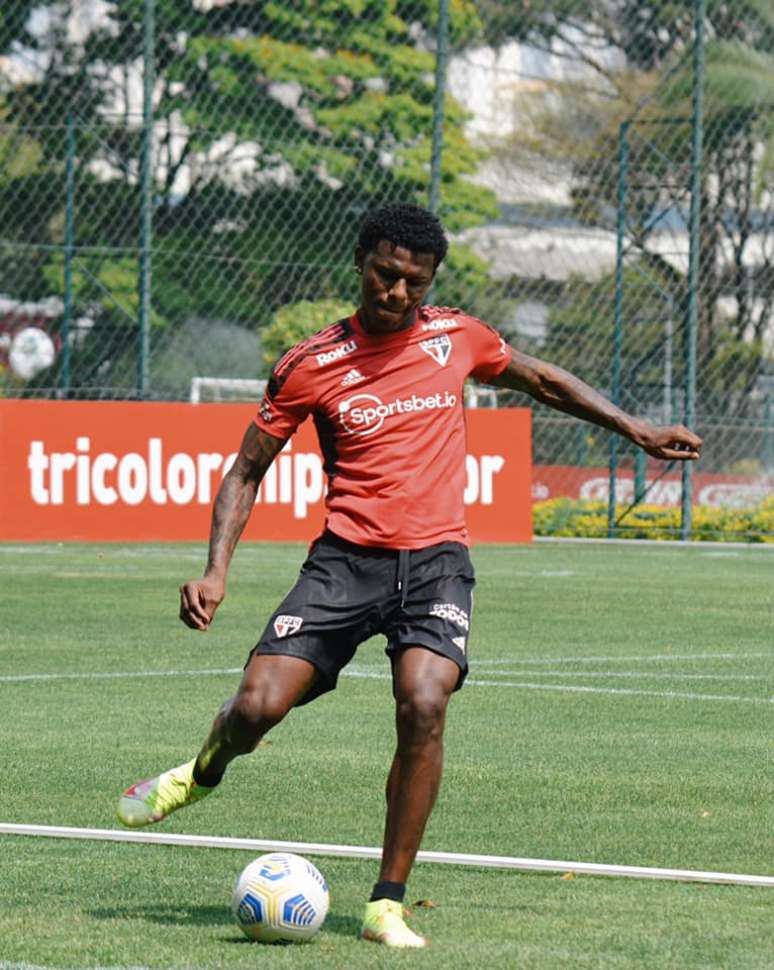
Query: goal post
{"points": [[221, 389]]}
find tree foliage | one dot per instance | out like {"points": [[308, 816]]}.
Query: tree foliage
{"points": [[580, 125], [277, 125]]}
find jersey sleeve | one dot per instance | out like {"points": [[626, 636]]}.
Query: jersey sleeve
{"points": [[288, 398], [491, 353]]}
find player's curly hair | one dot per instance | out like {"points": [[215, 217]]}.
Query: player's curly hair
{"points": [[402, 224]]}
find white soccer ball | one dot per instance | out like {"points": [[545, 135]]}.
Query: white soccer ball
{"points": [[280, 897], [32, 350]]}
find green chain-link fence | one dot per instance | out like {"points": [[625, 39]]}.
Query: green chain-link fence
{"points": [[176, 176]]}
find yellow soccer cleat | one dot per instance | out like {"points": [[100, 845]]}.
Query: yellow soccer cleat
{"points": [[384, 923], [152, 800]]}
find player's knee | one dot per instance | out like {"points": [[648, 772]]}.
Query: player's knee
{"points": [[421, 713], [259, 708]]}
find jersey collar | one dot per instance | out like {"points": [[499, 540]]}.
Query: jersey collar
{"points": [[397, 336]]}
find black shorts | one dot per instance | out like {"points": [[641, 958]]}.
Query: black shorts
{"points": [[347, 593]]}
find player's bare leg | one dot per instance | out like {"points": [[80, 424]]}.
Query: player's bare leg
{"points": [[424, 682], [270, 687]]}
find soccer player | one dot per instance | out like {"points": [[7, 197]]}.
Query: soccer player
{"points": [[385, 389]]}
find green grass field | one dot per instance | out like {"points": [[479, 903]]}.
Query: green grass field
{"points": [[619, 710]]}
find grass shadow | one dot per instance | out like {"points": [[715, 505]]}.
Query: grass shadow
{"points": [[342, 925], [346, 926], [167, 915]]}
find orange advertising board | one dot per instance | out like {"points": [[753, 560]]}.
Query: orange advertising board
{"points": [[124, 471]]}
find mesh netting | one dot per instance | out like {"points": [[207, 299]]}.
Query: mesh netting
{"points": [[181, 182]]}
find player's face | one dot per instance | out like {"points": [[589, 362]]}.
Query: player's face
{"points": [[395, 282]]}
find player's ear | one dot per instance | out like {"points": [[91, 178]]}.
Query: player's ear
{"points": [[360, 256]]}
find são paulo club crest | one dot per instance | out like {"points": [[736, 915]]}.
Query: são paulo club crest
{"points": [[284, 625], [438, 348]]}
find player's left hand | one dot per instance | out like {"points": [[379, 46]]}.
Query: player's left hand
{"points": [[670, 442]]}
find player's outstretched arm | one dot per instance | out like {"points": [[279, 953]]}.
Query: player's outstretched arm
{"points": [[560, 389], [199, 598]]}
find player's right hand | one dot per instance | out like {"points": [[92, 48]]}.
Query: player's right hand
{"points": [[199, 598]]}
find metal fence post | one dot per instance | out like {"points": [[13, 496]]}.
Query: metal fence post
{"points": [[146, 201], [623, 161], [441, 56], [69, 248], [767, 452], [693, 258], [640, 475]]}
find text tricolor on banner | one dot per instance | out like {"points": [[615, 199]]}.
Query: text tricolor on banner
{"points": [[118, 471]]}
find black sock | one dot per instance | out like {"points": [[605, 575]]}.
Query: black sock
{"points": [[208, 780], [389, 890]]}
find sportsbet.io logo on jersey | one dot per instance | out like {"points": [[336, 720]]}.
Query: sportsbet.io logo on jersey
{"points": [[363, 414]]}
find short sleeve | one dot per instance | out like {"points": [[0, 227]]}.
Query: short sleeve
{"points": [[491, 353], [287, 401]]}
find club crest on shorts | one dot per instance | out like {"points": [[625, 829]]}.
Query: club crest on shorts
{"points": [[284, 625], [438, 348]]}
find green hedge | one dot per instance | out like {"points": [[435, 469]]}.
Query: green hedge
{"points": [[577, 517]]}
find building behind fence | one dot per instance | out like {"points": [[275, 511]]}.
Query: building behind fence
{"points": [[181, 183]]}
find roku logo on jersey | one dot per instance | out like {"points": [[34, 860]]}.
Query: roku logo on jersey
{"points": [[330, 356], [364, 414]]}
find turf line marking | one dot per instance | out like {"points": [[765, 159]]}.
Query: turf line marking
{"points": [[638, 674], [11, 965], [22, 965], [369, 852], [374, 675], [577, 689], [512, 661], [115, 675], [660, 544], [642, 658], [626, 691]]}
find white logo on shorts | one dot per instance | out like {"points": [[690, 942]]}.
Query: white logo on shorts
{"points": [[450, 611], [459, 642], [285, 625]]}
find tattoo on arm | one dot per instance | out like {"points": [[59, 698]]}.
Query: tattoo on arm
{"points": [[236, 495]]}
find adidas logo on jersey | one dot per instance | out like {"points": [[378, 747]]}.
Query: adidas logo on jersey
{"points": [[438, 348], [353, 377]]}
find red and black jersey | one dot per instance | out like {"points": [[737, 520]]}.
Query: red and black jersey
{"points": [[388, 409]]}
